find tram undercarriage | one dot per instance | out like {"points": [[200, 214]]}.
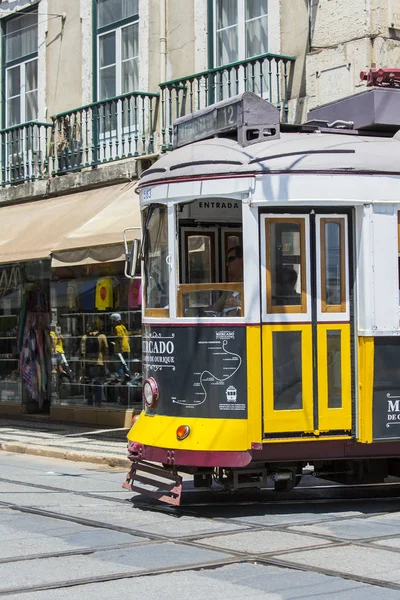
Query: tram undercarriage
{"points": [[164, 483]]}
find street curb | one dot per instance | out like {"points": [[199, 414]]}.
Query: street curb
{"points": [[107, 460]]}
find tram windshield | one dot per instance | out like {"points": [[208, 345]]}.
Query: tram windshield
{"points": [[211, 259], [155, 252]]}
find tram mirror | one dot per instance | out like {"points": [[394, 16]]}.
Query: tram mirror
{"points": [[131, 254], [249, 116]]}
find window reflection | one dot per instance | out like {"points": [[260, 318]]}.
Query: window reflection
{"points": [[333, 273], [285, 266], [334, 358], [156, 266], [287, 370]]}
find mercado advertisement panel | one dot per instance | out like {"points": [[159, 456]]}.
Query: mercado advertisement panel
{"points": [[386, 399], [200, 371]]}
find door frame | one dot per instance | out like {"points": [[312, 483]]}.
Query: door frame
{"points": [[326, 421]]}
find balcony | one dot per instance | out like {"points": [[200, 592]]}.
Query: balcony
{"points": [[25, 152], [135, 124], [266, 75]]}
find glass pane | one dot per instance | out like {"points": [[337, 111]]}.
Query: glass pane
{"points": [[256, 8], [156, 254], [199, 257], [334, 357], [333, 274], [13, 82], [111, 11], [227, 13], [285, 264], [31, 106], [107, 50], [21, 36], [130, 76], [227, 46], [130, 41], [31, 75], [287, 370], [107, 83], [257, 37], [13, 112]]}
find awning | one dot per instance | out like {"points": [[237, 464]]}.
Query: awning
{"points": [[88, 223]]}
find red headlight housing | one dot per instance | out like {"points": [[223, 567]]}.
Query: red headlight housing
{"points": [[150, 392]]}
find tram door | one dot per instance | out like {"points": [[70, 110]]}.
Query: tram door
{"points": [[306, 331]]}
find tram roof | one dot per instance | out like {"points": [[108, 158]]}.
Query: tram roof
{"points": [[292, 152]]}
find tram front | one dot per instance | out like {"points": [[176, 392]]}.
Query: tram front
{"points": [[198, 342], [247, 311]]}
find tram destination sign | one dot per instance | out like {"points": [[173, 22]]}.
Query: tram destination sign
{"points": [[240, 114], [208, 124]]}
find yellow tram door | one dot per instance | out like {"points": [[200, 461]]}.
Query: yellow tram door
{"points": [[306, 330]]}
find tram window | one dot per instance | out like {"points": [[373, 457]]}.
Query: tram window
{"points": [[210, 260], [334, 359], [333, 287], [286, 272], [156, 267], [231, 240], [287, 370]]}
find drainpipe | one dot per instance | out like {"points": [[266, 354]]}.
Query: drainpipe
{"points": [[163, 41]]}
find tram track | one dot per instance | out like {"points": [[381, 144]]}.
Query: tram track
{"points": [[194, 540]]}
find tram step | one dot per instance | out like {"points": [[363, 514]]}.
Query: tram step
{"points": [[150, 480]]}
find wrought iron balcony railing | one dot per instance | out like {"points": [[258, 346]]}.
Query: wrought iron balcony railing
{"points": [[134, 124], [24, 152], [266, 75], [104, 131]]}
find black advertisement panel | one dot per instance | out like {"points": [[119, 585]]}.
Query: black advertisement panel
{"points": [[386, 402], [200, 371]]}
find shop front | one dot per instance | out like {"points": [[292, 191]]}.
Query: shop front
{"points": [[70, 321]]}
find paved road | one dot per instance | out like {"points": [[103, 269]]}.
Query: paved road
{"points": [[68, 530]]}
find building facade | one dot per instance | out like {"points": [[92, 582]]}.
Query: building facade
{"points": [[90, 91]]}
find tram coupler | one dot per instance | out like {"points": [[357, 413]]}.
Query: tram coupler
{"points": [[157, 482]]}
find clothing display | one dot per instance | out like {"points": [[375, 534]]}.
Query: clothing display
{"points": [[72, 296], [123, 338], [135, 294], [35, 350], [104, 293]]}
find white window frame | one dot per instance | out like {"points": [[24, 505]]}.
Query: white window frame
{"points": [[273, 29], [118, 57], [23, 93]]}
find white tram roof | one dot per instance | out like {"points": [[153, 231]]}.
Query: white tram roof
{"points": [[292, 152]]}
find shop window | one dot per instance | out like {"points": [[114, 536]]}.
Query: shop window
{"points": [[96, 336], [10, 305]]}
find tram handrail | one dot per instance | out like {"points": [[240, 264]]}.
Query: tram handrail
{"points": [[185, 288]]}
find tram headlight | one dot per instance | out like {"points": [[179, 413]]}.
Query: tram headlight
{"points": [[182, 432], [150, 392]]}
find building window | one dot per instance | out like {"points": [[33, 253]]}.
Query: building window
{"points": [[21, 68], [241, 30], [118, 47]]}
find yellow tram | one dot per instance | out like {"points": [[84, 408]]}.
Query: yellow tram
{"points": [[271, 335]]}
